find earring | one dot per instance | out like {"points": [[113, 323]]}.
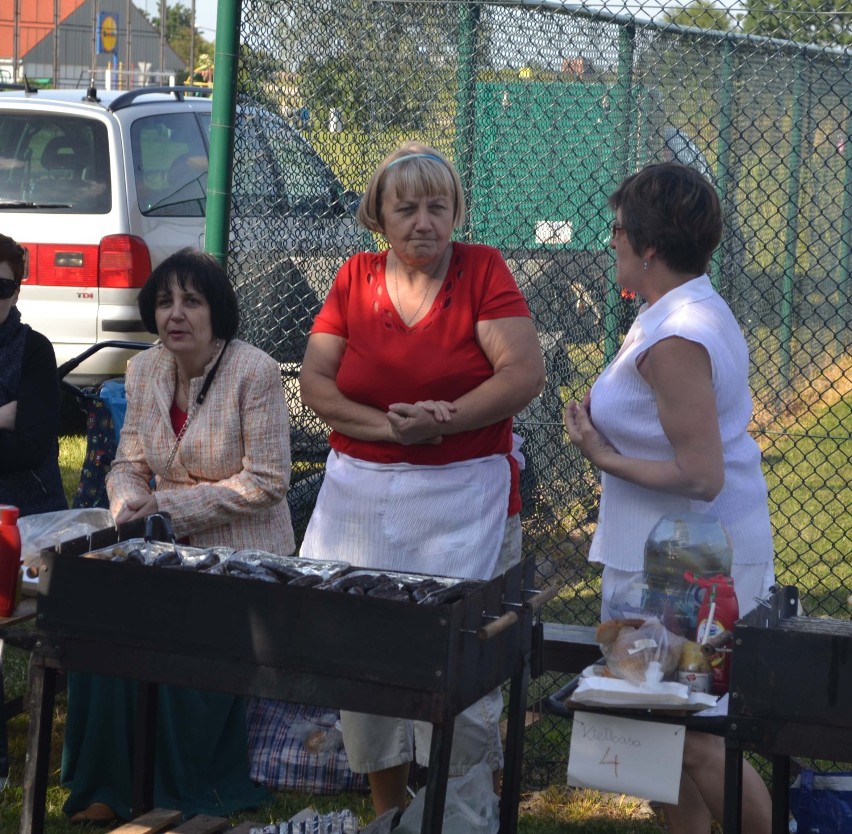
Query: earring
{"points": [[645, 265]]}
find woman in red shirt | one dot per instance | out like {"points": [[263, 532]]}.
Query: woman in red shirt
{"points": [[418, 360]]}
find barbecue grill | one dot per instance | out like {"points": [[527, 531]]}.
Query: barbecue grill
{"points": [[791, 691], [225, 633]]}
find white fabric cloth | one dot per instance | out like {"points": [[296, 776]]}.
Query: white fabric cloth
{"points": [[440, 520], [624, 410]]}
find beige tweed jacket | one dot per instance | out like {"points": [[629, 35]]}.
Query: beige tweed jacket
{"points": [[229, 478]]}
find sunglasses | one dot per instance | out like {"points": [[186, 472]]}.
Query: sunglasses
{"points": [[7, 288]]}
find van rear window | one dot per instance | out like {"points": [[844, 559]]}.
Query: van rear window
{"points": [[55, 163], [170, 161]]}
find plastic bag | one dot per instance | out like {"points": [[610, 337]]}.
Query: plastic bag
{"points": [[645, 653], [45, 530], [113, 394], [321, 737], [822, 802], [472, 807]]}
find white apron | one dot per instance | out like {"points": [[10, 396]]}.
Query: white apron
{"points": [[441, 520]]}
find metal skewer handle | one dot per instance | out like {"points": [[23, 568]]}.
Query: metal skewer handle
{"points": [[510, 617]]}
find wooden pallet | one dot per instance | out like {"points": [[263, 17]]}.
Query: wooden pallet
{"points": [[162, 821]]}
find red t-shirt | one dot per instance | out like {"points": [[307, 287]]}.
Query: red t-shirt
{"points": [[437, 359]]}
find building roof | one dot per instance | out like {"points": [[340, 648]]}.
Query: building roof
{"points": [[77, 19]]}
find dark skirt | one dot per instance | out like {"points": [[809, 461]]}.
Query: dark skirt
{"points": [[201, 749]]}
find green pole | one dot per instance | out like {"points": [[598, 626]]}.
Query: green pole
{"points": [[222, 123], [794, 166], [469, 18], [723, 148], [844, 266], [627, 117]]}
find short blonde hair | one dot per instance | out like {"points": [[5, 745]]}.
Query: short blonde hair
{"points": [[415, 170]]}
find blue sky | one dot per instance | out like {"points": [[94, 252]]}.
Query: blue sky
{"points": [[205, 16]]}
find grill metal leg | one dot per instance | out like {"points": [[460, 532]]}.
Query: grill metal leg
{"points": [[511, 794], [4, 738], [144, 747], [780, 794], [733, 788], [42, 685], [439, 772]]}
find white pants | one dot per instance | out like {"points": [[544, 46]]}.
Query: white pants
{"points": [[375, 742]]}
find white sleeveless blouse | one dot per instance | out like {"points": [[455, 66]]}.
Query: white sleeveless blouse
{"points": [[624, 410]]}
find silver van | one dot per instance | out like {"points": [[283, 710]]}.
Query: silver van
{"points": [[102, 185]]}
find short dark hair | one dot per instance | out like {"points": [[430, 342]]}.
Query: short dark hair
{"points": [[15, 255], [674, 209], [205, 274]]}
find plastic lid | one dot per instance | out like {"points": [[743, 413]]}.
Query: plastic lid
{"points": [[689, 541], [9, 514]]}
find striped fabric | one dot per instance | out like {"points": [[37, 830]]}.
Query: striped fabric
{"points": [[278, 757]]}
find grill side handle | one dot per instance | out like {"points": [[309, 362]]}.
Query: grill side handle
{"points": [[508, 619]]}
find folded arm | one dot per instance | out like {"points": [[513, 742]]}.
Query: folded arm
{"points": [[511, 346], [680, 374]]}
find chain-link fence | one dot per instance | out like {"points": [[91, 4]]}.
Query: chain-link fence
{"points": [[544, 109]]}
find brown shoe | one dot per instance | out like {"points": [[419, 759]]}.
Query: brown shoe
{"points": [[98, 812]]}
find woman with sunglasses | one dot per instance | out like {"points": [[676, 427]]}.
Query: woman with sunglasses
{"points": [[29, 400], [666, 423]]}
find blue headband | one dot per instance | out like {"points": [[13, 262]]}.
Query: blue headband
{"points": [[414, 156]]}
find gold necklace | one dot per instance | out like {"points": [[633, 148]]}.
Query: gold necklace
{"points": [[399, 303]]}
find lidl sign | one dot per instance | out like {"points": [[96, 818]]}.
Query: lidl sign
{"points": [[107, 32]]}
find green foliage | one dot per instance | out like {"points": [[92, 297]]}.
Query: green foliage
{"points": [[179, 32], [702, 14], [346, 75], [824, 22], [255, 84]]}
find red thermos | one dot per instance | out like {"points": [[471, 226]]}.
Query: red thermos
{"points": [[10, 558], [719, 611]]}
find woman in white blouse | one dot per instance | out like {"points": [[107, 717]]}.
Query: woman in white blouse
{"points": [[667, 425]]}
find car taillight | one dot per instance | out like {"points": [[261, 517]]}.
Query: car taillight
{"points": [[63, 266], [123, 261]]}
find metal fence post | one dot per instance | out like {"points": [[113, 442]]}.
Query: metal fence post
{"points": [[469, 17], [794, 168], [222, 129]]}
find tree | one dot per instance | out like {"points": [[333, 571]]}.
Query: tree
{"points": [[701, 14], [179, 31], [825, 22], [377, 63]]}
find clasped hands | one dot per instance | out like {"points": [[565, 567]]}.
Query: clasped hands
{"points": [[420, 422], [137, 508]]}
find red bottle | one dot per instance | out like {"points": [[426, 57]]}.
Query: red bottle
{"points": [[10, 558], [719, 611]]}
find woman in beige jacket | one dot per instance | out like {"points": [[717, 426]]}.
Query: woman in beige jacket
{"points": [[206, 439]]}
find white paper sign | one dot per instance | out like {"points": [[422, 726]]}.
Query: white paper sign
{"points": [[622, 755]]}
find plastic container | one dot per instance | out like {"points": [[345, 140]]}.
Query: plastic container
{"points": [[694, 669], [10, 558], [718, 613], [681, 549]]}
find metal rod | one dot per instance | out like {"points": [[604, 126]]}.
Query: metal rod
{"points": [[499, 625]]}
